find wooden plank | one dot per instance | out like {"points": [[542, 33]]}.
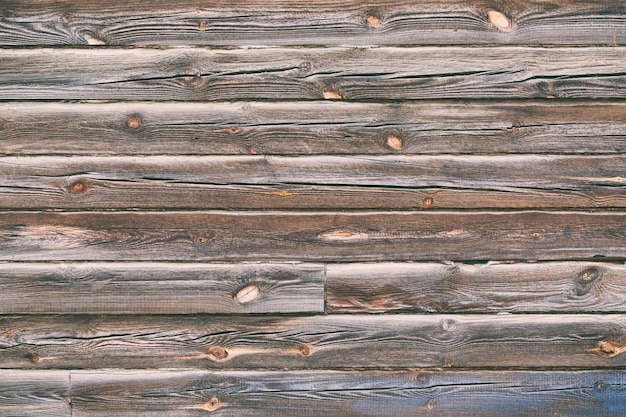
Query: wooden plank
{"points": [[322, 22], [335, 341], [182, 182], [452, 288], [382, 73], [34, 393], [161, 288], [321, 236], [343, 394], [318, 127]]}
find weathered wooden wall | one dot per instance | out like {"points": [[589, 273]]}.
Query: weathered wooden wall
{"points": [[320, 208]]}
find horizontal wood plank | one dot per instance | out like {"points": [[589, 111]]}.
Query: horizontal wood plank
{"points": [[208, 182], [315, 342], [382, 73], [321, 236], [452, 288], [343, 394], [161, 288], [290, 22], [308, 128], [35, 393]]}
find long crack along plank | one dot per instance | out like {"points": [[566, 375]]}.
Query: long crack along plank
{"points": [[182, 182], [381, 73], [334, 341], [320, 393], [161, 288], [291, 22], [321, 236], [311, 128], [462, 288]]}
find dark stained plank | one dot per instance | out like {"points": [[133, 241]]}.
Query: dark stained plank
{"points": [[452, 288], [320, 236], [161, 288], [314, 342], [319, 127], [530, 181], [381, 73], [34, 393], [290, 22], [345, 394]]}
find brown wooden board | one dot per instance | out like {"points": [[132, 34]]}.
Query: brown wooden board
{"points": [[184, 182], [381, 73], [309, 128], [320, 236], [487, 288], [337, 341], [343, 394], [158, 288], [35, 393], [292, 22]]}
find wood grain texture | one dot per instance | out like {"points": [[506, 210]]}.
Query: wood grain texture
{"points": [[184, 182], [334, 341], [321, 236], [456, 288], [161, 288], [290, 22], [34, 393], [308, 128], [344, 394], [249, 182], [381, 73]]}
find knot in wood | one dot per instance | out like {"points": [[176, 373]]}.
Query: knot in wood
{"points": [[449, 325], [431, 404], [305, 351], [394, 142], [428, 201], [332, 95], [33, 357], [217, 353], [607, 348], [211, 405], [134, 122], [78, 187], [247, 294], [373, 21], [499, 20], [589, 275]]}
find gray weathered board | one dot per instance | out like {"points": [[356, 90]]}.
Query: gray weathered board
{"points": [[311, 393], [314, 208]]}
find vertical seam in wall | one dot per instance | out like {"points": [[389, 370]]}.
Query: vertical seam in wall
{"points": [[325, 288], [71, 395]]}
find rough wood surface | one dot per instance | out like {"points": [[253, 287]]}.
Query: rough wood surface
{"points": [[291, 22], [208, 182], [161, 288], [457, 288], [343, 394], [314, 342], [113, 393], [321, 236], [320, 127], [383, 73], [34, 393]]}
